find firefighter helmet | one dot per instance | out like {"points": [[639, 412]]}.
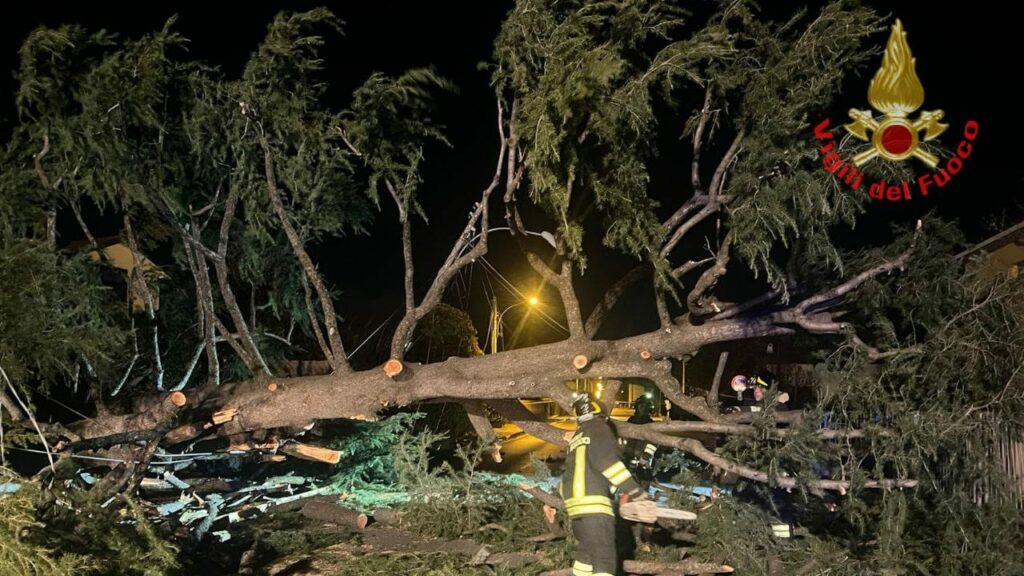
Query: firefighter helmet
{"points": [[765, 378], [583, 405], [643, 405]]}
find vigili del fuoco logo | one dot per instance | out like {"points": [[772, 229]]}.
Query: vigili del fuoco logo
{"points": [[896, 136]]}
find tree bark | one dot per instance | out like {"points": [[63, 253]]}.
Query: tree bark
{"points": [[338, 360], [524, 373], [713, 391]]}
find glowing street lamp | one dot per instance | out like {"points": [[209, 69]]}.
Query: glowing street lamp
{"points": [[532, 302]]}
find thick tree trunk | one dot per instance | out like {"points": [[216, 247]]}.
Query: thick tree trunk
{"points": [[524, 373], [540, 371]]}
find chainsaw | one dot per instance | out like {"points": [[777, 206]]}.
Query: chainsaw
{"points": [[647, 512]]}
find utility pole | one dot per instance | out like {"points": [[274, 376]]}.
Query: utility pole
{"points": [[495, 325]]}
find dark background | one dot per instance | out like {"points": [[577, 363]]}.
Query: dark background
{"points": [[963, 60]]}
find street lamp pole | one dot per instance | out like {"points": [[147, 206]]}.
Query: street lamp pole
{"points": [[495, 319]]}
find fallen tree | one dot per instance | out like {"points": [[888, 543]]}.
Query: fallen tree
{"points": [[248, 175]]}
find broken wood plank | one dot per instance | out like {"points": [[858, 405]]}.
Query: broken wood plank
{"points": [[313, 453], [225, 415], [197, 485], [270, 444], [183, 433]]}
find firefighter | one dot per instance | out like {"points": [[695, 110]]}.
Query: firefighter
{"points": [[639, 454], [593, 472], [760, 386], [639, 457]]}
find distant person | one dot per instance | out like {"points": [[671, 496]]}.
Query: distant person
{"points": [[639, 454], [755, 392], [639, 457]]}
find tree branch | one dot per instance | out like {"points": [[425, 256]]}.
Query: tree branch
{"points": [[571, 304], [689, 265], [216, 324], [227, 294], [31, 418], [612, 295], [477, 415], [529, 422], [697, 449], [406, 222], [77, 211], [683, 211], [736, 309], [698, 304], [714, 199], [338, 361], [718, 179], [51, 214], [314, 322], [853, 283], [712, 398], [532, 372], [661, 305], [456, 260], [687, 426], [698, 135], [137, 276], [876, 354], [206, 315]]}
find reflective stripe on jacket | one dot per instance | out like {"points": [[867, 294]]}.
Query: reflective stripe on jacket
{"points": [[593, 470]]}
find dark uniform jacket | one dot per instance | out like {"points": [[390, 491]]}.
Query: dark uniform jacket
{"points": [[594, 470], [639, 452]]}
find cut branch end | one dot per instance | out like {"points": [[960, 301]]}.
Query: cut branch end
{"points": [[393, 367], [177, 398]]}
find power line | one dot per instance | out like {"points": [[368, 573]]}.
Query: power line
{"points": [[516, 292], [367, 339], [59, 403]]}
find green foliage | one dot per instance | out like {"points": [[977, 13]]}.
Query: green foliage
{"points": [[388, 125], [786, 75], [588, 75], [444, 332], [451, 498], [369, 449], [47, 535], [140, 130], [584, 75], [938, 413], [54, 315], [19, 554], [117, 539], [280, 97], [287, 533]]}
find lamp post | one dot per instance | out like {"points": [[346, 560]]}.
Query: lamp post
{"points": [[497, 316]]}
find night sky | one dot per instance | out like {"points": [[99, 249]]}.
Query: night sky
{"points": [[953, 47]]}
